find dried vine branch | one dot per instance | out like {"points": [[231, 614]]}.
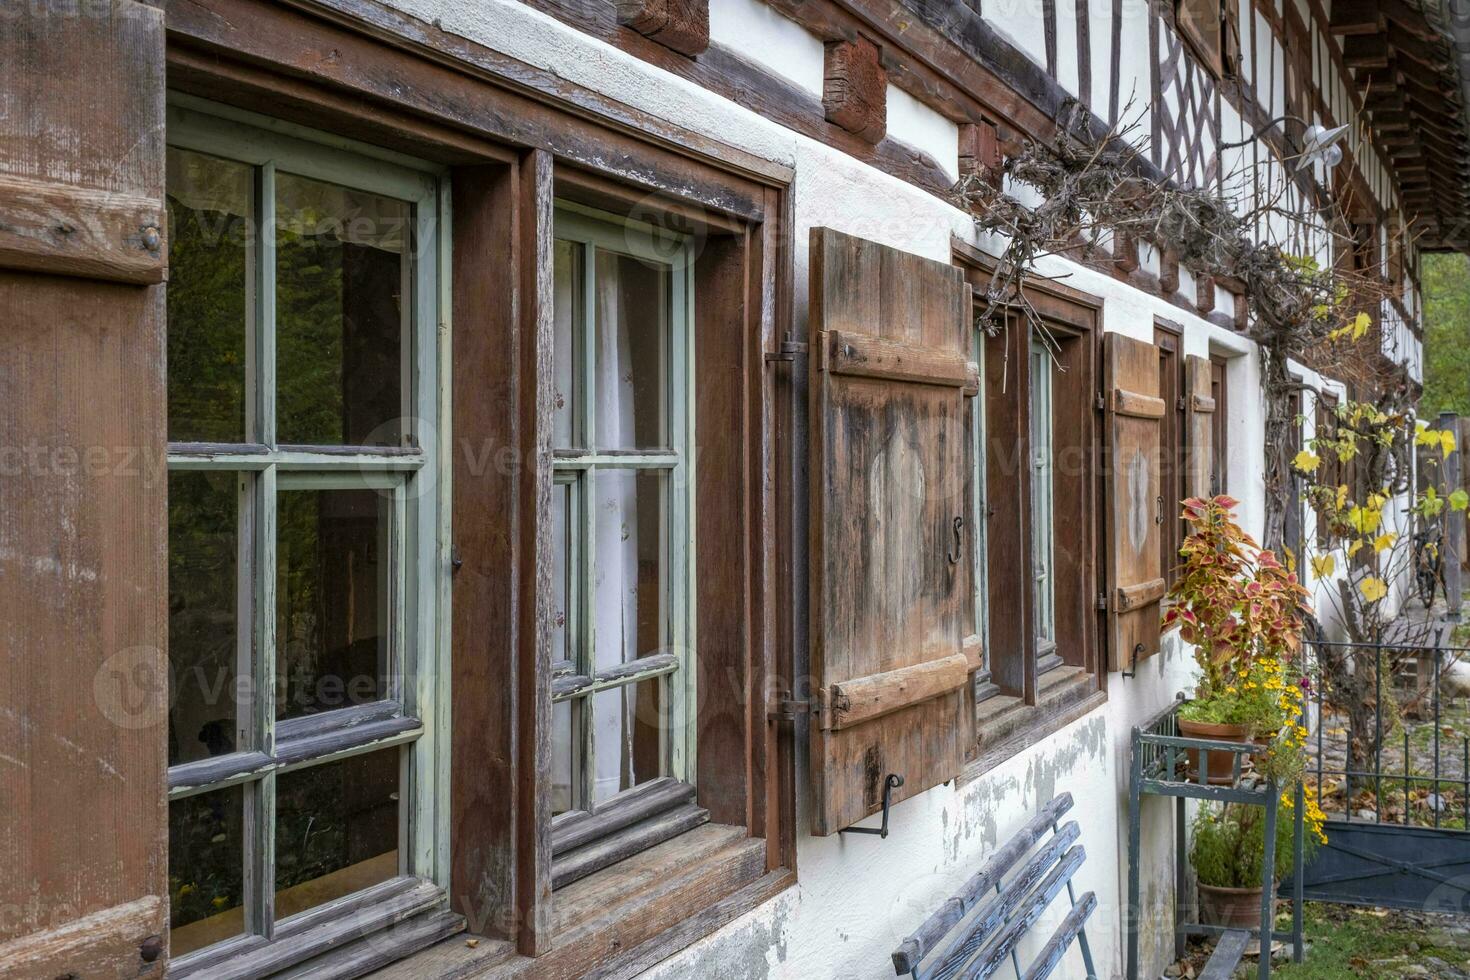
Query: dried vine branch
{"points": [[1065, 196]]}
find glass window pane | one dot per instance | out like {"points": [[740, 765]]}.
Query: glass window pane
{"points": [[332, 599], [632, 352], [342, 297], [564, 741], [336, 830], [203, 620], [210, 274], [563, 570], [630, 724], [568, 307], [206, 869], [1041, 492], [630, 576]]}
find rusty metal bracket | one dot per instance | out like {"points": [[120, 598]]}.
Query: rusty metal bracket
{"points": [[787, 351]]}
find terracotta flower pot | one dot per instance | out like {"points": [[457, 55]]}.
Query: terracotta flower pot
{"points": [[1221, 763], [1234, 908]]}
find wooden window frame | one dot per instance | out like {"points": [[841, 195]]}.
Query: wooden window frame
{"points": [[405, 718], [1220, 391], [1042, 421], [1169, 339], [1017, 701], [514, 139], [1192, 27], [575, 682]]}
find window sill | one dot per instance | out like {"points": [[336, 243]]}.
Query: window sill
{"points": [[1005, 725], [625, 918]]}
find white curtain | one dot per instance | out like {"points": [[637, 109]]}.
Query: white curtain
{"points": [[615, 571]]}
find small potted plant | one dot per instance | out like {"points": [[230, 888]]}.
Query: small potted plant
{"points": [[1227, 852], [1241, 610]]}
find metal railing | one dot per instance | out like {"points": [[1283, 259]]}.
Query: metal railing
{"points": [[1391, 739]]}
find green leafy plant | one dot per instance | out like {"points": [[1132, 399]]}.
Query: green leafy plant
{"points": [[1228, 847], [1241, 609]]}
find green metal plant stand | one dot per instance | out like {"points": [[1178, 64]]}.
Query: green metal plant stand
{"points": [[1160, 764]]}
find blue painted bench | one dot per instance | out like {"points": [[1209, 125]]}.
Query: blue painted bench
{"points": [[977, 930]]}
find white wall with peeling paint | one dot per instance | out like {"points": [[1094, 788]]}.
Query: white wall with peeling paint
{"points": [[858, 897]]}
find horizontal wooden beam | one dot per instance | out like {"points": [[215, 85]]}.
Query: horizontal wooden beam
{"points": [[867, 356], [67, 230], [865, 698]]}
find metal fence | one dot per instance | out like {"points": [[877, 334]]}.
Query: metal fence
{"points": [[1391, 738]]}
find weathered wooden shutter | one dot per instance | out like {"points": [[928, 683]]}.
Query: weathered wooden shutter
{"points": [[1135, 499], [1199, 432], [83, 668], [890, 534]]}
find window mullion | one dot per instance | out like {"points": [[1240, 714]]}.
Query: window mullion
{"points": [[584, 637], [262, 381], [260, 820]]}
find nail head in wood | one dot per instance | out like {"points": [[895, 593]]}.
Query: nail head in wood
{"points": [[680, 25], [855, 88]]}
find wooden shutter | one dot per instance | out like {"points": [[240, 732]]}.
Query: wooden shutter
{"points": [[1199, 432], [1135, 499], [890, 664], [83, 668]]}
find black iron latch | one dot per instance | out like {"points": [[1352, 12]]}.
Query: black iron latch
{"points": [[891, 782], [787, 351]]}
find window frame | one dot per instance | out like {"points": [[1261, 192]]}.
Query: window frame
{"points": [[1015, 707], [1220, 391], [579, 681], [1174, 440], [1042, 447], [412, 717]]}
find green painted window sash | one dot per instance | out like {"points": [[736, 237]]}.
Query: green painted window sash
{"points": [[419, 522], [578, 469]]}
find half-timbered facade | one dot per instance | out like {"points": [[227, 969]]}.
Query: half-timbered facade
{"points": [[497, 488]]}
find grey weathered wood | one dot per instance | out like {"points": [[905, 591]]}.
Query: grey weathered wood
{"points": [[328, 928], [989, 959], [997, 911], [573, 830], [644, 668], [367, 735], [925, 938], [1056, 947], [610, 850], [217, 769], [1227, 955], [371, 953]]}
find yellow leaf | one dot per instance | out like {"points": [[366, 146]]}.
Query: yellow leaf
{"points": [[1361, 323], [1323, 566], [1426, 436], [1447, 441], [1352, 549], [1306, 461], [1364, 520], [1373, 588], [1383, 542], [1341, 496]]}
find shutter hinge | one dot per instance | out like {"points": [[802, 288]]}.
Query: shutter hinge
{"points": [[789, 709], [1100, 402], [787, 351], [1102, 601], [1180, 405]]}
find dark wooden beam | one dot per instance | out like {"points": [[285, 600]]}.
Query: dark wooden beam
{"points": [[681, 25], [1366, 51], [855, 88], [1350, 17]]}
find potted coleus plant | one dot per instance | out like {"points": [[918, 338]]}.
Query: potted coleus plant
{"points": [[1228, 849], [1241, 610]]}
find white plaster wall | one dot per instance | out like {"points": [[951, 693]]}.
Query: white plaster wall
{"points": [[914, 123], [756, 31], [857, 898]]}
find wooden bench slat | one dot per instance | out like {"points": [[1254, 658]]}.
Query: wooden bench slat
{"points": [[991, 955], [933, 929], [1056, 947], [1227, 955], [965, 940]]}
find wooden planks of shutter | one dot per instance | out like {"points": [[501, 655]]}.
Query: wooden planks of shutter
{"points": [[83, 574], [889, 392], [1135, 500], [1199, 432]]}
